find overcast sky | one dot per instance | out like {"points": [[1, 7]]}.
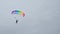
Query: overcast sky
{"points": [[42, 17]]}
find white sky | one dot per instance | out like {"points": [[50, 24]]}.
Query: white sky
{"points": [[42, 17]]}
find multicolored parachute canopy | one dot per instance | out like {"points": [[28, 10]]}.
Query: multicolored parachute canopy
{"points": [[18, 12]]}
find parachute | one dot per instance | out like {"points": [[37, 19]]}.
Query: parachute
{"points": [[16, 13]]}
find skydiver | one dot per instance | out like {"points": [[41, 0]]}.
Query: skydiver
{"points": [[16, 21]]}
